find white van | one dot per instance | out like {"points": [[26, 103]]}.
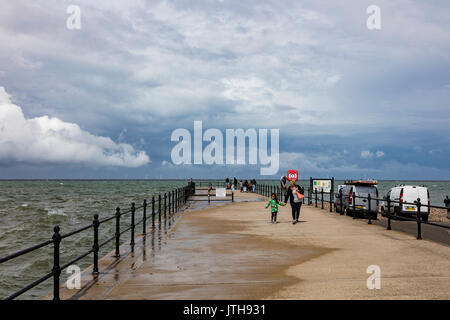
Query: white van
{"points": [[407, 196]]}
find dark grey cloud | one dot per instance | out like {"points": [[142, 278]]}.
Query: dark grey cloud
{"points": [[310, 68]]}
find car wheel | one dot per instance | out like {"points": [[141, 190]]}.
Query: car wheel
{"points": [[425, 217]]}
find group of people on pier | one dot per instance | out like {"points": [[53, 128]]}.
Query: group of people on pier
{"points": [[247, 185]]}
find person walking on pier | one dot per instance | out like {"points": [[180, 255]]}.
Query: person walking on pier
{"points": [[294, 194], [273, 203], [253, 185]]}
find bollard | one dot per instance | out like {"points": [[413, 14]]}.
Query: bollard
{"points": [[369, 198], [159, 207], [144, 221], [133, 211], [56, 268], [95, 247], [389, 214], [117, 255], [419, 226], [153, 211]]}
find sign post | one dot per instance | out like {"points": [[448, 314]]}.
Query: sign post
{"points": [[325, 185]]}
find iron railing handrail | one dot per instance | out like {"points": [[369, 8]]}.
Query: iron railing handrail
{"points": [[25, 251], [312, 195], [177, 197]]}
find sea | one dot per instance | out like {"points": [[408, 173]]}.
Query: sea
{"points": [[30, 209]]}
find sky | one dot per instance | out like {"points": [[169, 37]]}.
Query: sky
{"points": [[102, 100]]}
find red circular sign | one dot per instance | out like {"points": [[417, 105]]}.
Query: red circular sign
{"points": [[292, 175]]}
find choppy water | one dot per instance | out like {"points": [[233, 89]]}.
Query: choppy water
{"points": [[30, 209]]}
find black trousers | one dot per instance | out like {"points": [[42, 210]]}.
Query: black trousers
{"points": [[295, 206], [274, 216]]}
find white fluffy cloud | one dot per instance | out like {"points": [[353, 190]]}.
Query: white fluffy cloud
{"points": [[379, 154], [366, 154], [50, 140]]}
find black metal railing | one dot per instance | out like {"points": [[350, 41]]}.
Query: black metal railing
{"points": [[176, 199], [313, 197]]}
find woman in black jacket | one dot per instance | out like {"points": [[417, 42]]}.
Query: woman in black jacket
{"points": [[295, 202]]}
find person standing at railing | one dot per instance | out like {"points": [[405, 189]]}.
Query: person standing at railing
{"points": [[447, 204], [253, 185], [295, 195], [245, 185], [283, 184]]}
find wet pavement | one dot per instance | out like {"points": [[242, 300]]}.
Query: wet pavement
{"points": [[225, 250]]}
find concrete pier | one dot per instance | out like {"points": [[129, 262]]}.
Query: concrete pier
{"points": [[232, 251]]}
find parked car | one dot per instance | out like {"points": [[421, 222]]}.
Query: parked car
{"points": [[361, 190], [405, 197]]}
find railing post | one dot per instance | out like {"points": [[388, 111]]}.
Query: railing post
{"points": [[117, 232], [173, 201], [369, 198], [144, 221], [354, 205], [232, 196], [389, 214], [331, 202], [159, 206], [95, 247], [153, 211], [419, 226], [56, 268], [133, 211], [170, 205], [342, 206], [321, 193], [315, 191], [165, 203]]}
